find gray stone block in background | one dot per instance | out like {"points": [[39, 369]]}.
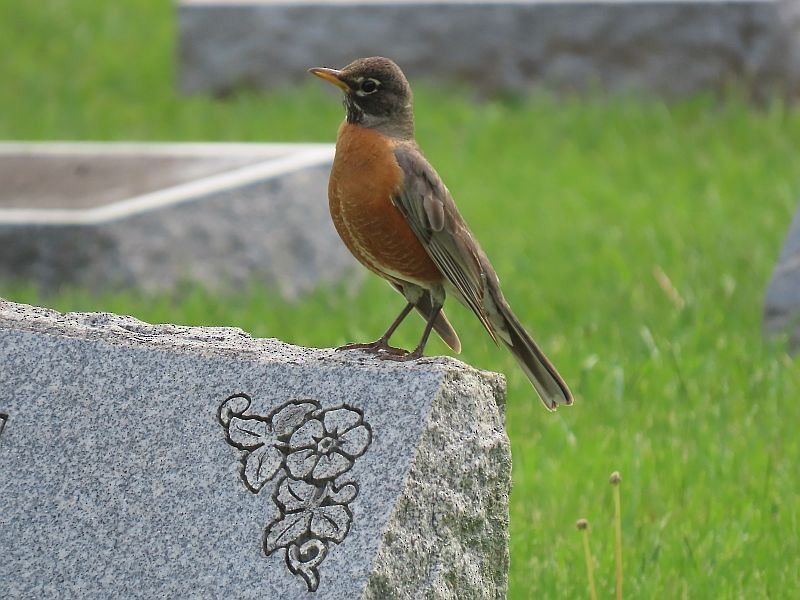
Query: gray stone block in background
{"points": [[782, 301], [158, 461], [668, 47], [155, 216]]}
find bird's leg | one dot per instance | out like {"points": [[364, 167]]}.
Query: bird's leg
{"points": [[381, 345], [417, 352]]}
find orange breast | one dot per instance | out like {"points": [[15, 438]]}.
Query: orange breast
{"points": [[364, 178]]}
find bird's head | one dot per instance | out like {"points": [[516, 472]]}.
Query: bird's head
{"points": [[376, 95]]}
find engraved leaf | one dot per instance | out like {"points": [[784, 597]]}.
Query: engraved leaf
{"points": [[286, 530], [290, 416], [331, 522], [261, 465], [248, 432]]}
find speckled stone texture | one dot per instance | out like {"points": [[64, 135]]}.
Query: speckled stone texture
{"points": [[665, 47], [156, 461], [265, 222], [782, 301]]}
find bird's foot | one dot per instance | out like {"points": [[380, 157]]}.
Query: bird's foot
{"points": [[403, 357], [380, 347]]}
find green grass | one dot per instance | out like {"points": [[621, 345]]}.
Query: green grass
{"points": [[577, 203]]}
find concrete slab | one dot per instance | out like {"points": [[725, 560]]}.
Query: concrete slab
{"points": [[782, 301], [156, 216], [666, 47]]}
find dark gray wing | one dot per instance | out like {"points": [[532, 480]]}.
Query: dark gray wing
{"points": [[431, 213]]}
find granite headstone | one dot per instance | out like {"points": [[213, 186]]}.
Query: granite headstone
{"points": [[155, 216], [159, 461], [782, 301], [664, 47]]}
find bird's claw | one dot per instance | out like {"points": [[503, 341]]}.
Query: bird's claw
{"points": [[379, 347], [408, 356]]}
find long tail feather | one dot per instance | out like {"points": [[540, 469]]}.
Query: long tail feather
{"points": [[550, 386]]}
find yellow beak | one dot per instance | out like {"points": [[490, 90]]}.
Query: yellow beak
{"points": [[331, 76]]}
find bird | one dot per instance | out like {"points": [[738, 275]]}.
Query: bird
{"points": [[396, 216]]}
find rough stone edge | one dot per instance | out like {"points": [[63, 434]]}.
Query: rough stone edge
{"points": [[450, 540], [230, 342]]}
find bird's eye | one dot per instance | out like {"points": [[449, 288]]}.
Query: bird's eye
{"points": [[369, 86]]}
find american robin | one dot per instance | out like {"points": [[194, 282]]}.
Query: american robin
{"points": [[397, 217]]}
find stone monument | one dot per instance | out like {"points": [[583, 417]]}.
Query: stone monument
{"points": [[155, 216], [782, 301], [668, 48], [156, 461]]}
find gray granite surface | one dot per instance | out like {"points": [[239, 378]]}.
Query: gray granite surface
{"points": [[782, 301], [666, 47], [155, 217], [160, 461]]}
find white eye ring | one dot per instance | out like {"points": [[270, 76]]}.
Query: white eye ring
{"points": [[368, 86]]}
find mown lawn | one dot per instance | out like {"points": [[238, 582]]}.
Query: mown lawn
{"points": [[587, 208]]}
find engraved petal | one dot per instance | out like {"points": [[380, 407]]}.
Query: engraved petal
{"points": [[331, 465], [307, 435], [353, 443], [301, 462], [339, 420]]}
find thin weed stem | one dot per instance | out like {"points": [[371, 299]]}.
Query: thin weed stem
{"points": [[583, 526], [615, 480]]}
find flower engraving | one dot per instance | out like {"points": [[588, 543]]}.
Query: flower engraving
{"points": [[325, 448], [303, 450]]}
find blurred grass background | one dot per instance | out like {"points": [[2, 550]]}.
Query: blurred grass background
{"points": [[634, 238]]}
